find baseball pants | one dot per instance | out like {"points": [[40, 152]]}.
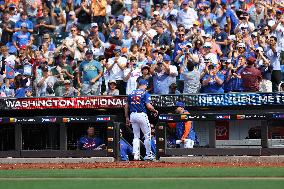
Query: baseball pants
{"points": [[140, 121]]}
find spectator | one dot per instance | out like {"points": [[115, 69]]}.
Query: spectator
{"points": [[212, 81], [116, 67], [92, 71], [7, 28], [83, 13], [147, 76], [28, 92], [191, 78], [273, 54], [71, 21], [22, 37], [45, 83], [112, 90], [70, 91], [220, 38], [131, 74], [187, 15], [62, 72], [164, 74], [173, 89], [162, 37], [251, 76], [24, 19], [75, 44], [45, 24]]}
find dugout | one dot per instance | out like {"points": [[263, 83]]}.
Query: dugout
{"points": [[56, 136], [268, 141]]}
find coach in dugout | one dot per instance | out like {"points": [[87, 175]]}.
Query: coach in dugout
{"points": [[185, 133], [90, 142]]}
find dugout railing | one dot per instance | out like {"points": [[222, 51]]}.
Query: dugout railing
{"points": [[107, 122], [266, 118]]}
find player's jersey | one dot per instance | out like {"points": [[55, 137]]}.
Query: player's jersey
{"points": [[137, 100], [86, 143]]}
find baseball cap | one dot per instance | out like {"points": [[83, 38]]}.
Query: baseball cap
{"points": [[46, 35], [12, 6], [223, 2], [229, 61], [188, 44], [112, 81], [120, 18], [185, 2], [23, 47], [117, 50], [94, 24], [196, 23], [254, 34], [278, 12], [67, 82], [89, 51], [208, 35], [154, 50], [166, 58], [28, 89], [143, 82], [232, 37], [241, 45], [180, 104], [259, 49], [156, 13], [71, 13], [145, 67], [207, 45]]}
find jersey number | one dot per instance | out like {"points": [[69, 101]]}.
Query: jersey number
{"points": [[135, 99]]}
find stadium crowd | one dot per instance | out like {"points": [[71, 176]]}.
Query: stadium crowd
{"points": [[104, 47]]}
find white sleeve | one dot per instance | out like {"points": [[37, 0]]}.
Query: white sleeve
{"points": [[126, 72]]}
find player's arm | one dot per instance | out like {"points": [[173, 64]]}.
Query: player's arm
{"points": [[187, 127], [152, 109]]}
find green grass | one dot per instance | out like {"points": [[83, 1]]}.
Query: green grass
{"points": [[151, 178]]}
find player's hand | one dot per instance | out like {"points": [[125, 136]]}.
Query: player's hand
{"points": [[155, 113], [127, 121]]}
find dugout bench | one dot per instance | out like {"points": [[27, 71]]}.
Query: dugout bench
{"points": [[211, 150], [61, 123]]}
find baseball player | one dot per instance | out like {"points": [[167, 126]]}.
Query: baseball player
{"points": [[137, 103], [90, 142], [185, 133]]}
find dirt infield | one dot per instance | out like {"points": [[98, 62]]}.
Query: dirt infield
{"points": [[131, 165]]}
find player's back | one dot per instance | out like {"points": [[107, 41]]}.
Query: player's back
{"points": [[136, 100]]}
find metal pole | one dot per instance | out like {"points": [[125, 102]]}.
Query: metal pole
{"points": [[18, 137], [212, 135], [63, 136], [264, 134]]}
